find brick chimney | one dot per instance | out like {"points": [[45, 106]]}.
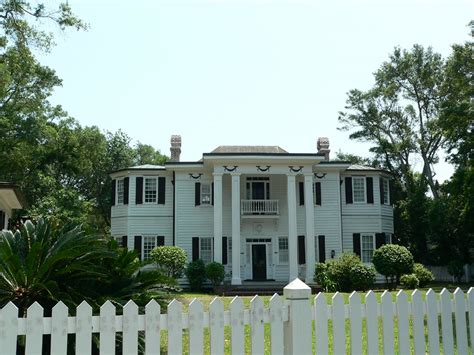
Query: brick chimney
{"points": [[323, 147], [175, 147]]}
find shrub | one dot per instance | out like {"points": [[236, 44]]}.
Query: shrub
{"points": [[171, 260], [456, 269], [196, 273], [321, 277], [423, 275], [347, 273], [393, 261], [409, 281], [215, 273]]}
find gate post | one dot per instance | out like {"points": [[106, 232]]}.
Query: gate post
{"points": [[298, 329]]}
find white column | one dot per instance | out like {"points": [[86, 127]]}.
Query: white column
{"points": [[236, 280], [309, 208], [218, 217], [292, 237]]}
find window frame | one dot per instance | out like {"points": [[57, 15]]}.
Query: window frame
{"points": [[364, 179], [202, 194], [145, 178], [211, 249], [120, 182], [280, 251], [145, 237], [362, 235], [386, 191]]}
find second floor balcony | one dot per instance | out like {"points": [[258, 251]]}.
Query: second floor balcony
{"points": [[259, 208]]}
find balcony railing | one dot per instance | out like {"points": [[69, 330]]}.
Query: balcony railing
{"points": [[259, 207]]}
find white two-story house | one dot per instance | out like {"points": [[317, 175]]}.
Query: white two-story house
{"points": [[264, 213]]}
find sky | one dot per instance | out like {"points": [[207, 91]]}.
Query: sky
{"points": [[238, 72]]}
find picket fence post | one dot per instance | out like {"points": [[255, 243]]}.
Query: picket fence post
{"points": [[298, 329]]}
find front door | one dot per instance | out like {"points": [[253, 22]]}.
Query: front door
{"points": [[259, 262]]}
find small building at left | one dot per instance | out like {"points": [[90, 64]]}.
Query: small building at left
{"points": [[10, 199]]}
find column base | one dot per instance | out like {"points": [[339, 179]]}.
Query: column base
{"points": [[236, 281]]}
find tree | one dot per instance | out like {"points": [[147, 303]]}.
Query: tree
{"points": [[393, 261], [400, 114]]}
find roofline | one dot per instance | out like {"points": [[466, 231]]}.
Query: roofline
{"points": [[249, 154], [16, 189], [374, 170], [335, 162], [135, 169]]}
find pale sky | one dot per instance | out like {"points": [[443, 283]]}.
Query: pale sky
{"points": [[238, 72]]}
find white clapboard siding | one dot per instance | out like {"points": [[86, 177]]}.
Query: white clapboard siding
{"points": [[196, 327], [152, 328], [105, 326], [447, 322], [256, 326], [355, 323], [387, 324], [216, 326], [237, 323]]}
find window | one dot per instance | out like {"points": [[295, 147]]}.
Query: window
{"points": [[149, 243], [206, 194], [151, 190], [388, 238], [120, 192], [283, 250], [358, 188], [385, 190], [367, 247], [205, 250]]}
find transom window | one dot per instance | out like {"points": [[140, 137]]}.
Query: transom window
{"points": [[205, 250], [120, 191], [358, 188], [367, 247], [149, 243], [206, 194], [151, 190], [283, 250], [385, 191]]}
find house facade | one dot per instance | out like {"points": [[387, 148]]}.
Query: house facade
{"points": [[264, 213], [10, 199]]}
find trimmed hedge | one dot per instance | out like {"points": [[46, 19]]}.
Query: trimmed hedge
{"points": [[393, 261]]}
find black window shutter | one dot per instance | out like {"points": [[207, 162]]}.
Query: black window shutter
{"points": [[370, 189], [356, 243], [348, 185], [161, 190], [114, 186], [224, 250], [318, 193], [197, 194], [195, 248], [391, 192], [379, 240], [139, 191], [126, 184], [124, 241], [301, 250], [160, 241], [322, 248], [138, 246], [301, 189], [2, 220], [381, 189], [212, 194]]}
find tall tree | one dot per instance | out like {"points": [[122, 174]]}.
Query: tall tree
{"points": [[399, 115]]}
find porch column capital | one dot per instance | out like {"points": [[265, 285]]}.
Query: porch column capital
{"points": [[235, 174], [217, 175]]}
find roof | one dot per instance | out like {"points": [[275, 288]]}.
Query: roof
{"points": [[141, 167], [361, 167], [12, 195], [237, 149]]}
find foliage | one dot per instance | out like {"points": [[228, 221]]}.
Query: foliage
{"points": [[171, 260], [321, 277], [393, 261], [409, 281], [456, 269], [39, 263], [196, 274], [346, 273], [423, 275], [215, 273]]}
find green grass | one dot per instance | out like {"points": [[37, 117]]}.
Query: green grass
{"points": [[186, 298]]}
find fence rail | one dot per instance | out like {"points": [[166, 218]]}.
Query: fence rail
{"points": [[290, 321]]}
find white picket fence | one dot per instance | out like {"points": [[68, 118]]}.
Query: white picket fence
{"points": [[290, 322]]}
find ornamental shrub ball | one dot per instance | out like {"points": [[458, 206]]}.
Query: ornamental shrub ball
{"points": [[171, 260], [215, 273], [362, 277], [423, 275], [196, 273], [393, 261], [409, 282]]}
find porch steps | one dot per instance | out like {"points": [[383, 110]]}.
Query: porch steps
{"points": [[258, 288]]}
